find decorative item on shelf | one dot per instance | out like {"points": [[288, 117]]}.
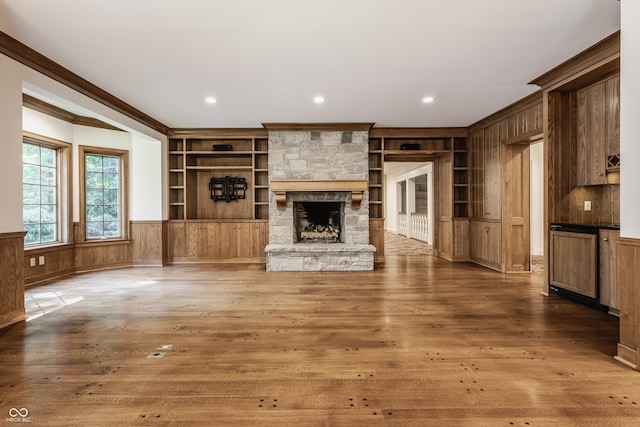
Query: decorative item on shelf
{"points": [[227, 189], [222, 147], [410, 146]]}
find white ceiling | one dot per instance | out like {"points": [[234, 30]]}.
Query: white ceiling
{"points": [[264, 61]]}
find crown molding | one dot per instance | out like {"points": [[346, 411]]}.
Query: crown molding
{"points": [[61, 114], [345, 127], [22, 53]]}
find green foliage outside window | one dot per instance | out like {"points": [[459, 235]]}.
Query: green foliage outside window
{"points": [[39, 189], [102, 195]]}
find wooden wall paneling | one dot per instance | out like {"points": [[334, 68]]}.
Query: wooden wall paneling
{"points": [[12, 278], [208, 209], [211, 236], [561, 150], [376, 237], [59, 261], [445, 206], [608, 272], [627, 254], [516, 246], [93, 256], [146, 242]]}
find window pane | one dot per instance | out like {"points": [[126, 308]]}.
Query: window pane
{"points": [[95, 197], [48, 195], [30, 174], [102, 195], [48, 157], [39, 193], [94, 180], [30, 194], [110, 213], [94, 213], [93, 163], [111, 180], [95, 229], [111, 229], [110, 164], [110, 197], [31, 214], [47, 176], [33, 233], [30, 154], [47, 213], [48, 232]]}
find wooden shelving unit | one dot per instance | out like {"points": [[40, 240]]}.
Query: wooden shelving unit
{"points": [[417, 149], [193, 162]]}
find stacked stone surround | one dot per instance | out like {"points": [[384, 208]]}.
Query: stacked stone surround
{"points": [[321, 155]]}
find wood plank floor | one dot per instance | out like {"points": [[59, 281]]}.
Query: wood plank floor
{"points": [[417, 342]]}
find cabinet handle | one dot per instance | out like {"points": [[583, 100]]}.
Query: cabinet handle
{"points": [[600, 174], [606, 239]]}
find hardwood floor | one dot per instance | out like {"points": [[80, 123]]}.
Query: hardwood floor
{"points": [[417, 342]]}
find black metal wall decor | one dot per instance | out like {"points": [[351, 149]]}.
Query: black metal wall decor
{"points": [[227, 189]]}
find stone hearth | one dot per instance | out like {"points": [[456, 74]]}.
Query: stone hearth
{"points": [[319, 166]]}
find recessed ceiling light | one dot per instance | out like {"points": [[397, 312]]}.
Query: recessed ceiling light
{"points": [[318, 99], [427, 99], [210, 100]]}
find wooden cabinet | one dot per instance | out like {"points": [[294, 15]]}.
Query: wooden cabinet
{"points": [[609, 293], [485, 244], [598, 131], [573, 262], [200, 228], [208, 241]]}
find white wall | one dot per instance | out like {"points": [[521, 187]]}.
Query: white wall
{"points": [[629, 118], [11, 145], [146, 179], [537, 199]]}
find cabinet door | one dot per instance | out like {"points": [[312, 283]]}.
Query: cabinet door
{"points": [[613, 115], [591, 130], [609, 294], [573, 262], [228, 240]]}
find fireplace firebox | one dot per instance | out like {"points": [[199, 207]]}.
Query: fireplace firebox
{"points": [[318, 222]]}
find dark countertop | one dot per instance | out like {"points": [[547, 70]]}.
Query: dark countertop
{"points": [[587, 226]]}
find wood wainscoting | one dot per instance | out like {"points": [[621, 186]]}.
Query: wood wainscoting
{"points": [[49, 262], [628, 265], [12, 278], [147, 239]]}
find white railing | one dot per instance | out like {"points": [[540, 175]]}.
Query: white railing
{"points": [[402, 224], [419, 227]]}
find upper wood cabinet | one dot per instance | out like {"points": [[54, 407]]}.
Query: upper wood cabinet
{"points": [[598, 131]]}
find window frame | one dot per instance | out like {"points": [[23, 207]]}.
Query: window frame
{"points": [[63, 187], [123, 156]]}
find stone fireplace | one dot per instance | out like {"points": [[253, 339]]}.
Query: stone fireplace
{"points": [[318, 207]]}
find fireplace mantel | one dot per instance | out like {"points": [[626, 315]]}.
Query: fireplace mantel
{"points": [[356, 187]]}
